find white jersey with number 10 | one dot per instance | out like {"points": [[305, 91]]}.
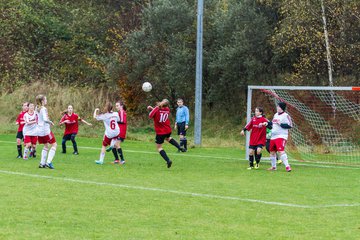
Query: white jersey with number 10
{"points": [[111, 123]]}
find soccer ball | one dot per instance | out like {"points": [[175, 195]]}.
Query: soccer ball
{"points": [[146, 87]]}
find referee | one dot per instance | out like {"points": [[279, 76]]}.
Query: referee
{"points": [[182, 122]]}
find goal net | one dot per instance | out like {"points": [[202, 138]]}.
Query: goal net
{"points": [[326, 121]]}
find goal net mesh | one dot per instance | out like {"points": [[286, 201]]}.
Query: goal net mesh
{"points": [[326, 123]]}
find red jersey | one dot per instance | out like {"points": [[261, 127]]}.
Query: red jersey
{"points": [[122, 124], [258, 133], [20, 120], [73, 125], [161, 120]]}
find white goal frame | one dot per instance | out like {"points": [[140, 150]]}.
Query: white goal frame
{"points": [[257, 87]]}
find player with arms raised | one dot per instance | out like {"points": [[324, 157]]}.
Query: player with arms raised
{"points": [[280, 125], [112, 129], [257, 136], [71, 121], [160, 114]]}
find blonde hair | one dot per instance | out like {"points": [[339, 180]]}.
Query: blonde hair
{"points": [[39, 99]]}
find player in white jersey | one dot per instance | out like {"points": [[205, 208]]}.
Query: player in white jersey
{"points": [[280, 125], [30, 131], [45, 136], [112, 129]]}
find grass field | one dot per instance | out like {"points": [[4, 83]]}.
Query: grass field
{"points": [[207, 194]]}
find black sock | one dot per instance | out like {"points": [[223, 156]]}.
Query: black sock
{"points": [[181, 142], [74, 145], [63, 144], [164, 155], [121, 154], [258, 158], [19, 148], [115, 154], [175, 143], [185, 143], [251, 160]]}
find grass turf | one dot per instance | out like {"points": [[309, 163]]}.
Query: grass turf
{"points": [[207, 194]]}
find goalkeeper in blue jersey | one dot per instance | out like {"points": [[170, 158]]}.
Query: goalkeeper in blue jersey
{"points": [[182, 122]]}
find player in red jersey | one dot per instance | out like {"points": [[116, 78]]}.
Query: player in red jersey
{"points": [[30, 132], [71, 121], [257, 136], [160, 114], [20, 121], [121, 107]]}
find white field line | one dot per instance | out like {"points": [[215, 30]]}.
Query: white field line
{"points": [[202, 195], [296, 163]]}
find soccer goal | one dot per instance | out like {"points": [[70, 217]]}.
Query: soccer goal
{"points": [[326, 121]]}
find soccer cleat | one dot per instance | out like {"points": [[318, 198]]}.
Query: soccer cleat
{"points": [[41, 166], [63, 152], [182, 149], [169, 163], [122, 162], [256, 166], [249, 168], [31, 154], [25, 158], [99, 162], [49, 165], [288, 169], [272, 169], [19, 156], [109, 149], [279, 162], [75, 153], [116, 161]]}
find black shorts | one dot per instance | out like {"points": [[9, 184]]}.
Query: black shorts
{"points": [[181, 128], [254, 147], [159, 139], [121, 139], [20, 135], [68, 137]]}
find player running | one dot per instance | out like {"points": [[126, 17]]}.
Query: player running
{"points": [[45, 135], [160, 114], [71, 121], [30, 132], [20, 121], [112, 129], [280, 125], [257, 136]]}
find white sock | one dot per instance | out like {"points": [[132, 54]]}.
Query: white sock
{"points": [[273, 161], [26, 152], [51, 155], [102, 156], [44, 153], [284, 158]]}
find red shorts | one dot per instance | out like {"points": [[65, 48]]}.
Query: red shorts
{"points": [[277, 144], [107, 141], [47, 139], [30, 139]]}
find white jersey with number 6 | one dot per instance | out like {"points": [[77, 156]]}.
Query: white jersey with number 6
{"points": [[111, 123], [277, 131]]}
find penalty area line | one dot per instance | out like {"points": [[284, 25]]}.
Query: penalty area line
{"points": [[192, 194]]}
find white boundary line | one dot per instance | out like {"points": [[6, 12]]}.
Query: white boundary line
{"points": [[296, 163], [211, 196]]}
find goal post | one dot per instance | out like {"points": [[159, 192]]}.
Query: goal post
{"points": [[326, 121]]}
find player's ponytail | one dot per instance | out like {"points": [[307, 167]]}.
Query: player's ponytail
{"points": [[108, 107], [39, 100]]}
